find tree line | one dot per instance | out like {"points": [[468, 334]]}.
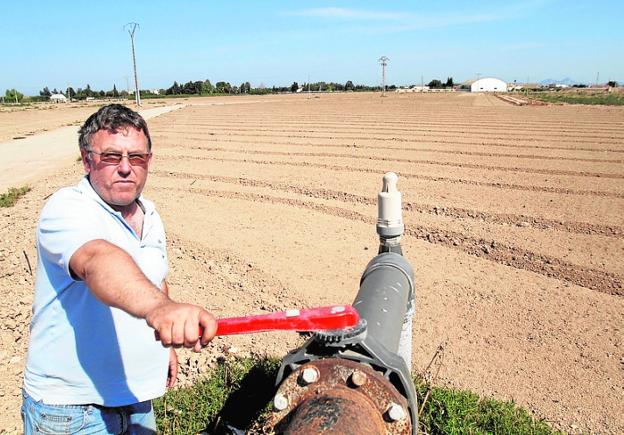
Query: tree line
{"points": [[206, 87], [200, 87]]}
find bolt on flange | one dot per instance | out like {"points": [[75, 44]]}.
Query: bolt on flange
{"points": [[280, 402], [309, 375], [395, 412], [358, 378]]}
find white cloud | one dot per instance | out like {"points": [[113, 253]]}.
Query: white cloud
{"points": [[397, 21], [332, 12]]}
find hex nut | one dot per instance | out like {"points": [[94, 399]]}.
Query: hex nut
{"points": [[280, 402], [310, 374], [358, 378], [395, 412]]}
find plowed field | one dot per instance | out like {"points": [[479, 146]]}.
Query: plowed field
{"points": [[514, 225]]}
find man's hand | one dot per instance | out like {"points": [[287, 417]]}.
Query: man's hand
{"points": [[178, 324], [172, 374]]}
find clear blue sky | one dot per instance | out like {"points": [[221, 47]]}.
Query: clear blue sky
{"points": [[56, 43]]}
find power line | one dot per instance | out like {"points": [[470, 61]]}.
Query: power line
{"points": [[131, 27], [383, 61]]}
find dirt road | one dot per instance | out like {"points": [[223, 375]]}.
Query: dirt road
{"points": [[514, 220], [28, 158]]}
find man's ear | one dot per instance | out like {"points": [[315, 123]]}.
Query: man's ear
{"points": [[86, 162]]}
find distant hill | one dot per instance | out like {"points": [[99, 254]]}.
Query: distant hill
{"points": [[567, 81]]}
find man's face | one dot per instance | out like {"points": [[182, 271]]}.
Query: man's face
{"points": [[117, 184]]}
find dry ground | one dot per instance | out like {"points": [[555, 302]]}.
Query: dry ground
{"points": [[23, 121], [514, 220]]}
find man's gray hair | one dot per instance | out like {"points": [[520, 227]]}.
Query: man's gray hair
{"points": [[112, 118]]}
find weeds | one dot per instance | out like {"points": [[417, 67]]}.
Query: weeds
{"points": [[612, 99], [10, 198], [455, 411], [238, 392]]}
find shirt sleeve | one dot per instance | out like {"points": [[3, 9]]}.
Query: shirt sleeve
{"points": [[68, 221]]}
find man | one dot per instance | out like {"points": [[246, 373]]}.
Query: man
{"points": [[93, 361]]}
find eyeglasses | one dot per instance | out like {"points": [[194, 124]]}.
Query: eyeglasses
{"points": [[135, 159]]}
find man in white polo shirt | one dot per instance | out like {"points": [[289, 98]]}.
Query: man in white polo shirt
{"points": [[94, 364]]}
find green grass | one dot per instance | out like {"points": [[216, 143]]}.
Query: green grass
{"points": [[608, 99], [10, 198], [450, 411], [239, 392]]}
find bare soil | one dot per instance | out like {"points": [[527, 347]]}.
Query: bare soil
{"points": [[514, 225]]}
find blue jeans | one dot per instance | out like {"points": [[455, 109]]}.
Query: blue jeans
{"points": [[40, 418]]}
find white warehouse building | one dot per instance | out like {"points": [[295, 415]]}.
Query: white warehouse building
{"points": [[488, 84]]}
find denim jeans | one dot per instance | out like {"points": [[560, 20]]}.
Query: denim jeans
{"points": [[41, 418]]}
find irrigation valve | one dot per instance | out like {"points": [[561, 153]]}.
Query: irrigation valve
{"points": [[356, 378], [389, 220]]}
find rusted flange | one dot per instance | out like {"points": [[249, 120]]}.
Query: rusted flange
{"points": [[338, 396]]}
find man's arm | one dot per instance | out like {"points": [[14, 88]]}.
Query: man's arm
{"points": [[115, 279]]}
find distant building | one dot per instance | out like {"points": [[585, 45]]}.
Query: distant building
{"points": [[488, 84], [412, 89], [58, 98]]}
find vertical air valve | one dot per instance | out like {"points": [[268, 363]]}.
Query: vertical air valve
{"points": [[389, 220]]}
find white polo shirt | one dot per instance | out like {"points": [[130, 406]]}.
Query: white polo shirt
{"points": [[82, 351]]}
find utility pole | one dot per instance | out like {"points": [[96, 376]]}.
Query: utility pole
{"points": [[131, 28], [383, 61], [597, 78]]}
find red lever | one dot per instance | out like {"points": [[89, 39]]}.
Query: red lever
{"points": [[310, 319]]}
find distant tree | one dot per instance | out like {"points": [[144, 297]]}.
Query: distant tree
{"points": [[435, 84], [449, 82], [13, 96], [88, 92], [174, 89], [294, 87], [54, 91], [115, 92], [188, 88], [612, 84], [45, 92], [348, 86], [223, 87], [245, 88], [71, 93], [207, 87]]}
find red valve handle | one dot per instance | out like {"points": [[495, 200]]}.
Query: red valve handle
{"points": [[310, 319]]}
